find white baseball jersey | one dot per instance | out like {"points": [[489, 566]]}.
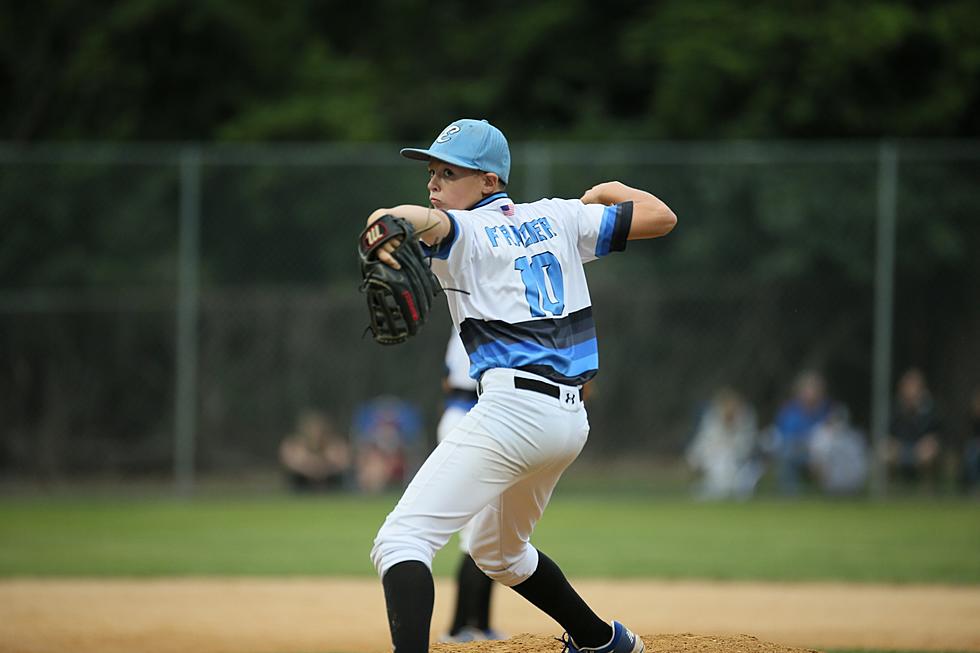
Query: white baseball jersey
{"points": [[528, 306]]}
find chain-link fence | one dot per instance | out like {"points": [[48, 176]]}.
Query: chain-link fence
{"points": [[166, 307]]}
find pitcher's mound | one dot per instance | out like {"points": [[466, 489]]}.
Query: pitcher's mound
{"points": [[654, 644]]}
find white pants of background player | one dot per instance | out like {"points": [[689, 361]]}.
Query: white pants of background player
{"points": [[498, 467]]}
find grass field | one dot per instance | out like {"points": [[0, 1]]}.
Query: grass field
{"points": [[902, 541], [612, 533]]}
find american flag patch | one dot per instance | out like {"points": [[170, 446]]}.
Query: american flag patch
{"points": [[507, 209]]}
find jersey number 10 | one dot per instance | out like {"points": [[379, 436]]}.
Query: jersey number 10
{"points": [[543, 284]]}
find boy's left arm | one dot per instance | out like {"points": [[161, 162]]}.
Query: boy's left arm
{"points": [[651, 217]]}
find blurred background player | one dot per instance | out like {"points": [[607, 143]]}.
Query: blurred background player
{"points": [[471, 620], [386, 432]]}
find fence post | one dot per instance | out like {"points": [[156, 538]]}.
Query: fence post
{"points": [[538, 171], [185, 395], [883, 313]]}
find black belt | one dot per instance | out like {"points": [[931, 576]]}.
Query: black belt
{"points": [[524, 383]]}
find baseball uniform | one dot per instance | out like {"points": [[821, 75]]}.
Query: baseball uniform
{"points": [[526, 323]]}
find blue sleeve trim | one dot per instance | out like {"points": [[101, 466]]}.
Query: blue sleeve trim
{"points": [[441, 251], [605, 231], [614, 229]]}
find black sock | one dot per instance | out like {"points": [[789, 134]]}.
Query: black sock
{"points": [[472, 597], [409, 595], [549, 590]]}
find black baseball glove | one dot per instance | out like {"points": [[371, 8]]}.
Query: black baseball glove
{"points": [[399, 301]]}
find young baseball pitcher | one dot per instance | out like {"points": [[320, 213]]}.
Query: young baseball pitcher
{"points": [[525, 320]]}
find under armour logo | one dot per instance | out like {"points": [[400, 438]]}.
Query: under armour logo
{"points": [[569, 398]]}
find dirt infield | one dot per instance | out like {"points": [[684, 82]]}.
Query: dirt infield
{"points": [[263, 615], [685, 643]]}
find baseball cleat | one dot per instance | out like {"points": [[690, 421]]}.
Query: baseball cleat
{"points": [[623, 641], [493, 635]]}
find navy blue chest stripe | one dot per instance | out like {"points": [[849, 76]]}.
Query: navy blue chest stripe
{"points": [[561, 333], [564, 350]]}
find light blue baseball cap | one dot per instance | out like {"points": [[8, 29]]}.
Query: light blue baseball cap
{"points": [[468, 143]]}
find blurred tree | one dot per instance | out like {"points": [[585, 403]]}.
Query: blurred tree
{"points": [[140, 69], [811, 69], [250, 70]]}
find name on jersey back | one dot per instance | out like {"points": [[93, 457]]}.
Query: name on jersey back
{"points": [[528, 233]]}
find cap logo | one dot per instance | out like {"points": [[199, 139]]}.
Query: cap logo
{"points": [[448, 133]]}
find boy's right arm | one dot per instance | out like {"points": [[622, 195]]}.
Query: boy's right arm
{"points": [[431, 226]]}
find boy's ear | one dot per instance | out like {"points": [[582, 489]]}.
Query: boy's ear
{"points": [[490, 183]]}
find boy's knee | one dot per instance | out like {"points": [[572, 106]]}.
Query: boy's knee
{"points": [[506, 569], [391, 547]]}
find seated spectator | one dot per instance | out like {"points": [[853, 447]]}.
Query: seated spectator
{"points": [[315, 457], [914, 446], [386, 435], [970, 461], [793, 428], [839, 454], [723, 448]]}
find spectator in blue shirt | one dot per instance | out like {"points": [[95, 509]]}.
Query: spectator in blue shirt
{"points": [[794, 426]]}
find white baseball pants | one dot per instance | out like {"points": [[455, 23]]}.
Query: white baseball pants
{"points": [[498, 467], [450, 418]]}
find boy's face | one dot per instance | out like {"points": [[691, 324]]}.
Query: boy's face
{"points": [[453, 187]]}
